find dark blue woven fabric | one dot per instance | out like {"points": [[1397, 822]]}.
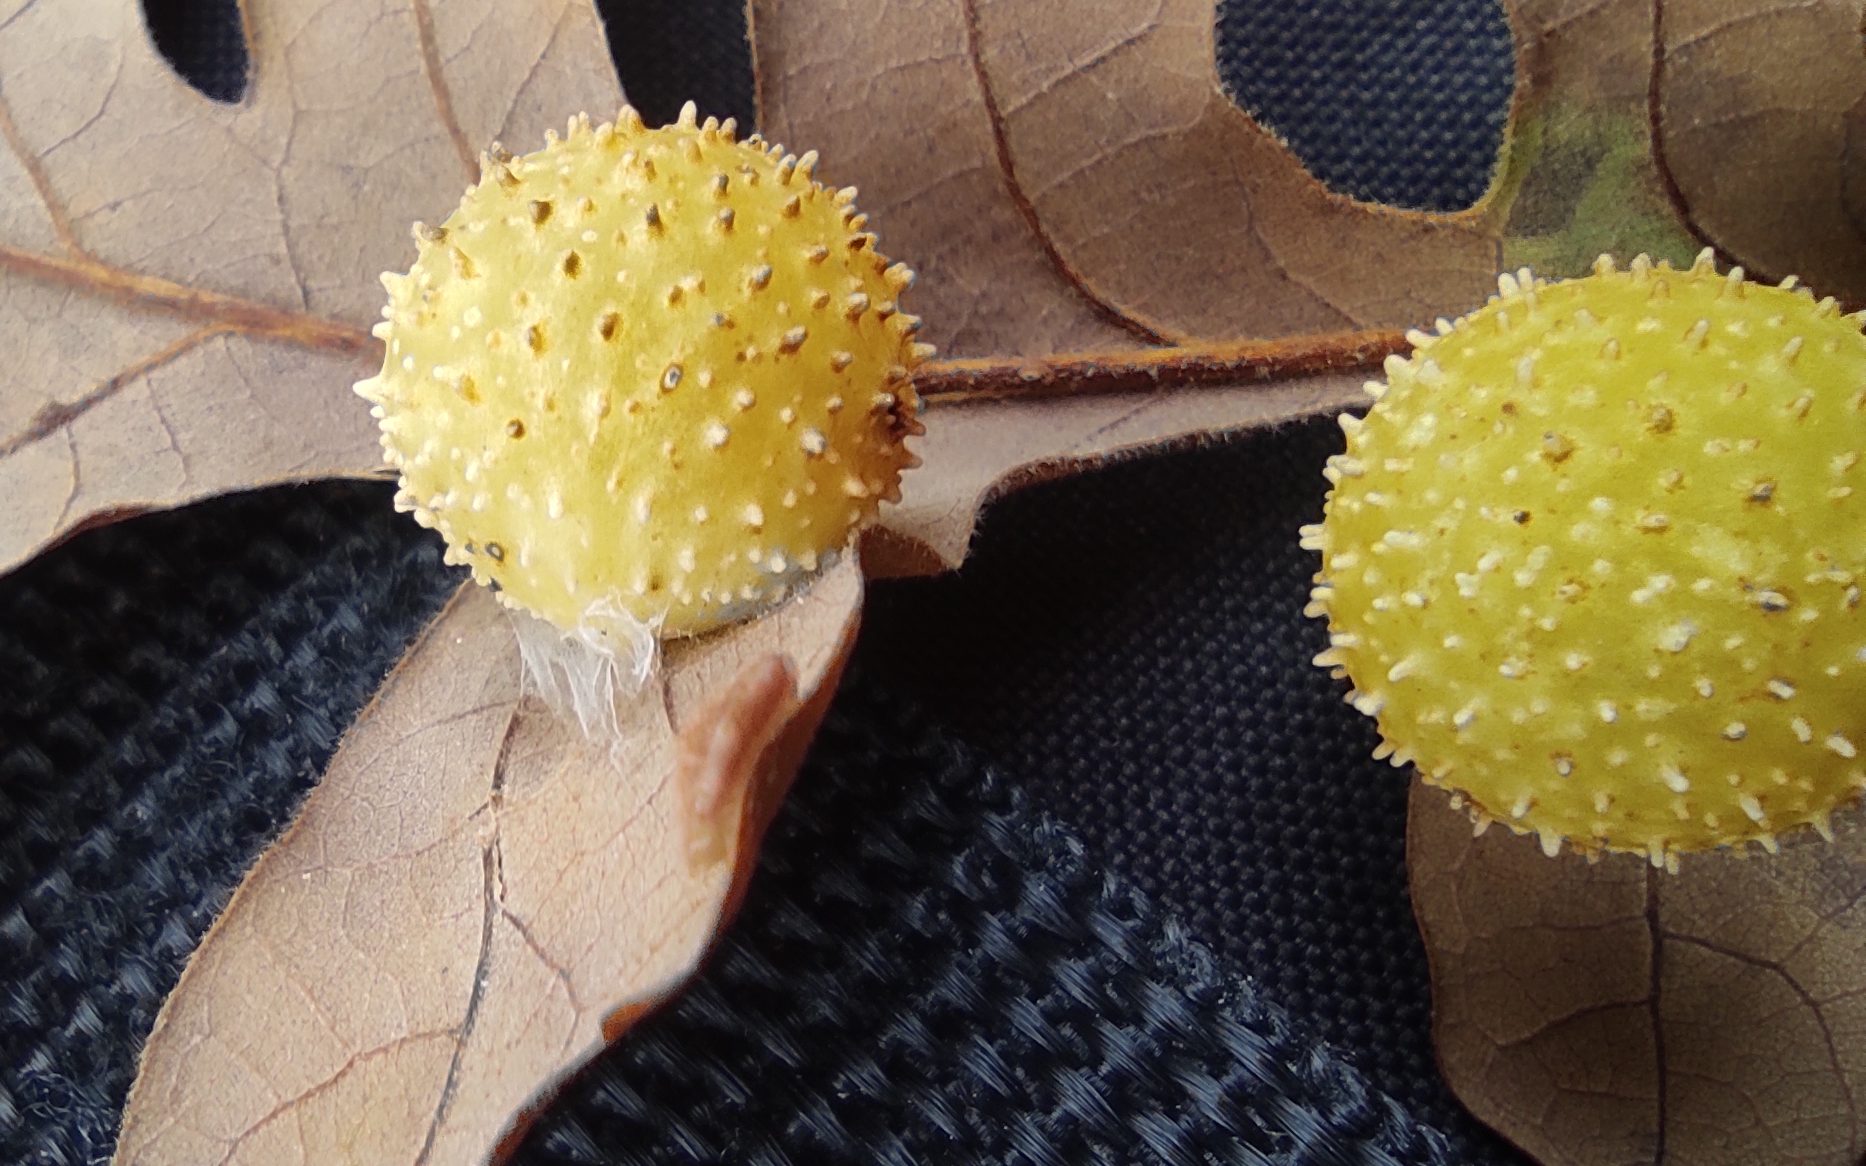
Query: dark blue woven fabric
{"points": [[168, 690], [1152, 909], [205, 41], [1391, 101], [1221, 772], [931, 970]]}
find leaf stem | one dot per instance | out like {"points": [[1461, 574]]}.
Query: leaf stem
{"points": [[1192, 365]]}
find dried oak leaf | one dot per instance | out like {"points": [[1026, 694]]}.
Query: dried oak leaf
{"points": [[186, 286], [1760, 108], [1068, 185], [1614, 1015], [475, 898]]}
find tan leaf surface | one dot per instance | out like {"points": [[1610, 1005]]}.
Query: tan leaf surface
{"points": [[475, 898], [186, 286], [1611, 1015], [1761, 106], [1071, 185]]}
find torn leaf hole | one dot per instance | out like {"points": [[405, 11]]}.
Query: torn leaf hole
{"points": [[1389, 101], [205, 42]]}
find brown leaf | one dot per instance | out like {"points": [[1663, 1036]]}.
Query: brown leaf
{"points": [[1761, 107], [476, 898], [1070, 185], [1613, 1015], [188, 284]]}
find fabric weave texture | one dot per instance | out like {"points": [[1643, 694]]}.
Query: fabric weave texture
{"points": [[1088, 865]]}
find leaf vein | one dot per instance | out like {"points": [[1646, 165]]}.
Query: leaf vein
{"points": [[490, 892], [225, 312], [57, 416], [41, 182], [437, 85], [1007, 168]]}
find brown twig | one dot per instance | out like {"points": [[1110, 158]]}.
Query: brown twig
{"points": [[1188, 366]]}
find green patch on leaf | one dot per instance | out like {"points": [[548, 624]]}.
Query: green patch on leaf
{"points": [[1585, 184]]}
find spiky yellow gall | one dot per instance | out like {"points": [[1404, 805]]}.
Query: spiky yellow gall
{"points": [[654, 375], [1593, 559]]}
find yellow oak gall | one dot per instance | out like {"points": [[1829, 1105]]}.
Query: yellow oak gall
{"points": [[648, 375], [1593, 559]]}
